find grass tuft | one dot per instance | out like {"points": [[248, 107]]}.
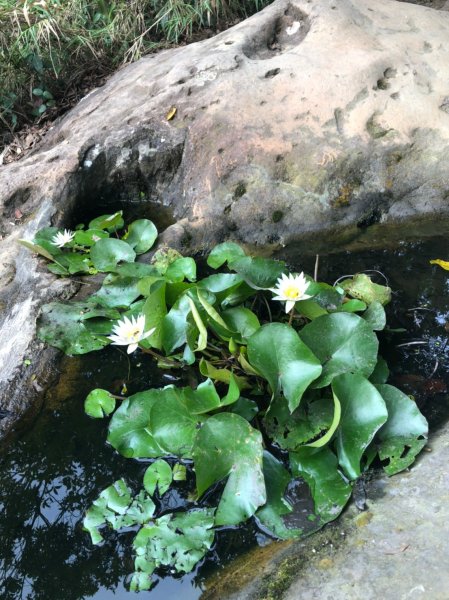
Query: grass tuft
{"points": [[51, 50]]}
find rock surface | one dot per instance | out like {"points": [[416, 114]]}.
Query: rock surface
{"points": [[313, 116]]}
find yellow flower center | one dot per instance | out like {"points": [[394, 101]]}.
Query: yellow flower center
{"points": [[132, 335], [291, 292]]}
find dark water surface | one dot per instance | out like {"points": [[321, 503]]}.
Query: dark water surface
{"points": [[57, 463]]}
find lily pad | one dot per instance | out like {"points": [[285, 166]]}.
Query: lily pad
{"points": [[360, 286], [307, 422], [375, 316], [141, 235], [363, 412], [63, 326], [259, 273], [225, 252], [227, 446], [270, 515], [116, 508], [277, 352], [99, 403], [319, 468], [404, 434], [129, 429], [344, 343], [158, 475], [109, 222], [108, 252], [177, 541]]}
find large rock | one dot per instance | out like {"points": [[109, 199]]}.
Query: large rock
{"points": [[325, 116]]}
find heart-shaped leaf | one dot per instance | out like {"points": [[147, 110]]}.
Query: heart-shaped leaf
{"points": [[344, 343], [270, 515], [158, 474], [363, 412], [375, 316], [307, 422], [180, 269], [141, 235], [108, 252], [259, 273], [319, 468], [129, 429], [109, 222], [227, 446], [278, 353], [117, 291], [225, 252], [64, 326], [404, 434], [99, 403], [177, 541]]}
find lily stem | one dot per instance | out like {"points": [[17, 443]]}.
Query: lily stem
{"points": [[292, 312], [159, 356]]}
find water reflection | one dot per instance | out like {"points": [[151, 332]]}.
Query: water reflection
{"points": [[51, 473]]}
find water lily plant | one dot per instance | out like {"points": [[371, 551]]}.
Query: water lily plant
{"points": [[129, 332], [279, 402], [290, 289], [62, 238]]}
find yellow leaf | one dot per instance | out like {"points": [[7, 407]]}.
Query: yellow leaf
{"points": [[444, 264], [171, 113]]}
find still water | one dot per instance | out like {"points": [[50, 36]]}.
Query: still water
{"points": [[57, 462]]}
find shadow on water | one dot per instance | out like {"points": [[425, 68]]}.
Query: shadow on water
{"points": [[51, 471]]}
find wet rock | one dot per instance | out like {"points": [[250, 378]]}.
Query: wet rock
{"points": [[310, 117]]}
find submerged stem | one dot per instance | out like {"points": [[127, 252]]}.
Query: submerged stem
{"points": [[159, 356]]}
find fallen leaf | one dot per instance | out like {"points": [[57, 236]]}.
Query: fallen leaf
{"points": [[444, 264], [171, 115]]}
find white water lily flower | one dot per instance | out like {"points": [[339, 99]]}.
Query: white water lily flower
{"points": [[130, 332], [290, 289], [61, 239]]}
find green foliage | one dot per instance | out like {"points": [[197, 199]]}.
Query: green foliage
{"points": [[178, 541], [316, 406], [48, 50]]}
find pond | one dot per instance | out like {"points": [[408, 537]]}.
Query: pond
{"points": [[56, 462]]}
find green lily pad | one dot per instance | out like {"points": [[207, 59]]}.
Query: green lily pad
{"points": [[116, 508], [109, 222], [270, 515], [227, 446], [344, 343], [225, 252], [117, 291], [129, 429], [277, 352], [307, 422], [177, 541], [360, 286], [180, 269], [89, 237], [375, 316], [108, 252], [259, 273], [99, 403], [363, 413], [404, 435], [141, 235], [319, 468], [158, 475], [63, 326]]}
